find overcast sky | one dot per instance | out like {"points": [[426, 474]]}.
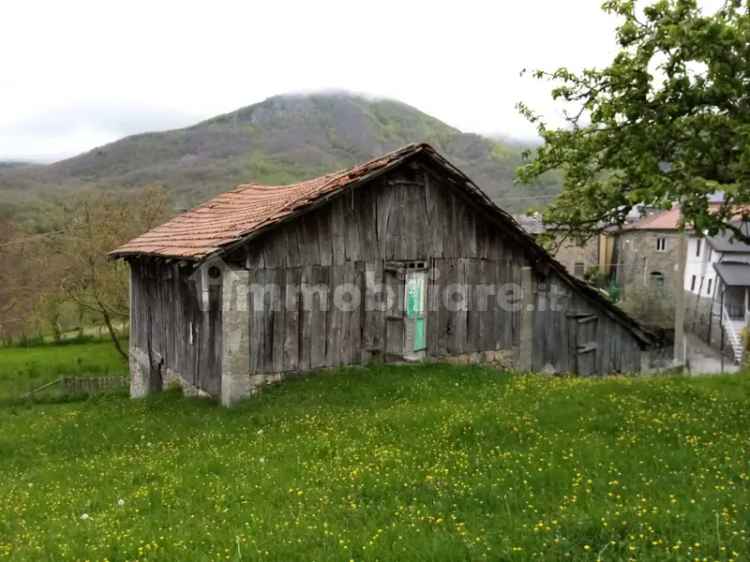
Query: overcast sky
{"points": [[79, 74]]}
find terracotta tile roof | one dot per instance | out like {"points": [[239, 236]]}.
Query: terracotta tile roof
{"points": [[666, 220], [231, 216], [671, 219]]}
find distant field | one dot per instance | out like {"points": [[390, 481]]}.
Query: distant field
{"points": [[397, 463], [25, 368]]}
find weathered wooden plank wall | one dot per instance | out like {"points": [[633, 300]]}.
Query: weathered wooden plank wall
{"points": [[555, 342], [170, 327], [410, 214]]}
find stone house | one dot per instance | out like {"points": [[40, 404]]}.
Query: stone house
{"points": [[402, 258], [578, 259], [646, 254]]}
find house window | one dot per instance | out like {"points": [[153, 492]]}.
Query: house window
{"points": [[698, 244], [657, 279], [708, 292], [578, 269], [661, 244], [692, 284]]}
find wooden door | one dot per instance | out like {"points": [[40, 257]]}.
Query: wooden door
{"points": [[582, 332]]}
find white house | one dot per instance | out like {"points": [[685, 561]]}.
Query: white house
{"points": [[717, 279]]}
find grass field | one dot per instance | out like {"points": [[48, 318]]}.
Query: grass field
{"points": [[398, 463], [25, 368]]}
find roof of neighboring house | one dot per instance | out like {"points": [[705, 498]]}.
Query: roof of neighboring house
{"points": [[530, 223], [726, 243], [672, 218], [734, 274], [249, 210], [665, 220]]}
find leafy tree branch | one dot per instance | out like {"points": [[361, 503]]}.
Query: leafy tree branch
{"points": [[668, 121]]}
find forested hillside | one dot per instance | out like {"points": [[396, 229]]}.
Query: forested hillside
{"points": [[281, 140]]}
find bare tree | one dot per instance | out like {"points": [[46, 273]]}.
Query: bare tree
{"points": [[18, 280], [97, 223], [7, 297]]}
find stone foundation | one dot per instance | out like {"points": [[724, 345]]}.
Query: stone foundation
{"points": [[140, 370], [502, 359], [143, 382], [175, 380]]}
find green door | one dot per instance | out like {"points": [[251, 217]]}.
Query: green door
{"points": [[416, 339]]}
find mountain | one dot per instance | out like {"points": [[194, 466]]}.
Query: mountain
{"points": [[280, 140], [13, 165]]}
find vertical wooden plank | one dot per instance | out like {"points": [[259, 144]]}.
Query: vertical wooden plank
{"points": [[433, 308], [412, 221], [486, 301], [515, 262], [459, 333], [469, 223], [319, 327], [274, 248], [325, 236], [278, 304], [309, 240], [602, 365], [255, 305], [292, 320], [394, 318], [394, 242], [374, 320], [420, 231], [361, 353], [352, 233], [307, 305], [293, 232], [338, 230], [268, 319], [384, 205], [447, 314], [367, 223], [434, 217], [351, 337], [450, 243], [538, 356], [334, 325], [474, 300], [502, 313], [572, 342]]}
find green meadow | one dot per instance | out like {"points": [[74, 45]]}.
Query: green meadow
{"points": [[23, 369], [402, 463]]}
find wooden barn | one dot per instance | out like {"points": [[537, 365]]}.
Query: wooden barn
{"points": [[401, 258]]}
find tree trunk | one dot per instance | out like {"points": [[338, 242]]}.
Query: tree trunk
{"points": [[112, 332]]}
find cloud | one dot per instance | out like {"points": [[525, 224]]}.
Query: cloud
{"points": [[61, 131], [92, 72]]}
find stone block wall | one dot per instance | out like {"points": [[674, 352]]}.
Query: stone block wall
{"points": [[638, 260], [569, 254]]}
